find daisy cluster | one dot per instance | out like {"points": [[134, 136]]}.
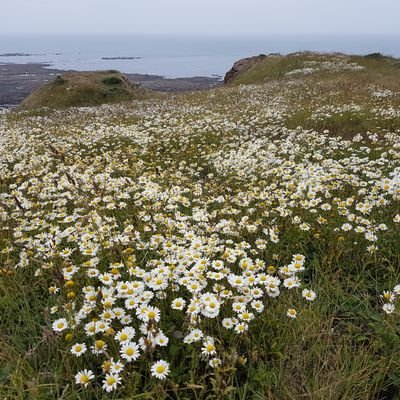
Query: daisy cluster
{"points": [[329, 111], [182, 219], [312, 67], [382, 93], [390, 298], [387, 112]]}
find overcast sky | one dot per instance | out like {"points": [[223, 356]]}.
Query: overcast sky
{"points": [[200, 16]]}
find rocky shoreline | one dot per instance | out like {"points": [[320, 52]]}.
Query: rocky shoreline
{"points": [[17, 81]]}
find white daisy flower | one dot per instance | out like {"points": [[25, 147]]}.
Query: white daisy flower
{"points": [[208, 348], [78, 349], [160, 369], [84, 377], [60, 324], [178, 303], [388, 308], [309, 294], [111, 382], [215, 362], [130, 351]]}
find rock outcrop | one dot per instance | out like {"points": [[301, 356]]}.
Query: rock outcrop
{"points": [[240, 66]]}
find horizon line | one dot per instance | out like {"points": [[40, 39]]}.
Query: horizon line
{"points": [[206, 33]]}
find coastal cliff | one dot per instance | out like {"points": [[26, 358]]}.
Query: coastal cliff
{"points": [[240, 66]]}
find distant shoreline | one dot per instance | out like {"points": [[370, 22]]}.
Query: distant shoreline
{"points": [[121, 58], [17, 81]]}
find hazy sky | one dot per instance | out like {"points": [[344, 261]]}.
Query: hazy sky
{"points": [[201, 16]]}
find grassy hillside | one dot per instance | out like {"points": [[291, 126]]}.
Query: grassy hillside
{"points": [[76, 89], [337, 91], [373, 67], [247, 235]]}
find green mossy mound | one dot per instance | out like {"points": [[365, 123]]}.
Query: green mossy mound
{"points": [[79, 89]]}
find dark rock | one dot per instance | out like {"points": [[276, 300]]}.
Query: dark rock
{"points": [[121, 58], [242, 65]]}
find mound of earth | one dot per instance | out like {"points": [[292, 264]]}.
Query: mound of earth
{"points": [[77, 89]]}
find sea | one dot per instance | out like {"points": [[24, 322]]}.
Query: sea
{"points": [[174, 56]]}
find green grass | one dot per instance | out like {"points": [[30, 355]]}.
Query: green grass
{"points": [[339, 347]]}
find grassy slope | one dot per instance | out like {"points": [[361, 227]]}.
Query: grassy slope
{"points": [[379, 68], [340, 347], [342, 87]]}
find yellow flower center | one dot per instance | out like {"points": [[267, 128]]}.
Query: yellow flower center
{"points": [[160, 369], [210, 347], [130, 351]]}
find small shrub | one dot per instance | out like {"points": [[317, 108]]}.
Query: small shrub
{"points": [[110, 92], [375, 55], [112, 80], [59, 81]]}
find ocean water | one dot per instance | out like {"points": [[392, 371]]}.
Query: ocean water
{"points": [[177, 56]]}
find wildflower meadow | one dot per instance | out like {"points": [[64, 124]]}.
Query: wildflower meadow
{"points": [[241, 242]]}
